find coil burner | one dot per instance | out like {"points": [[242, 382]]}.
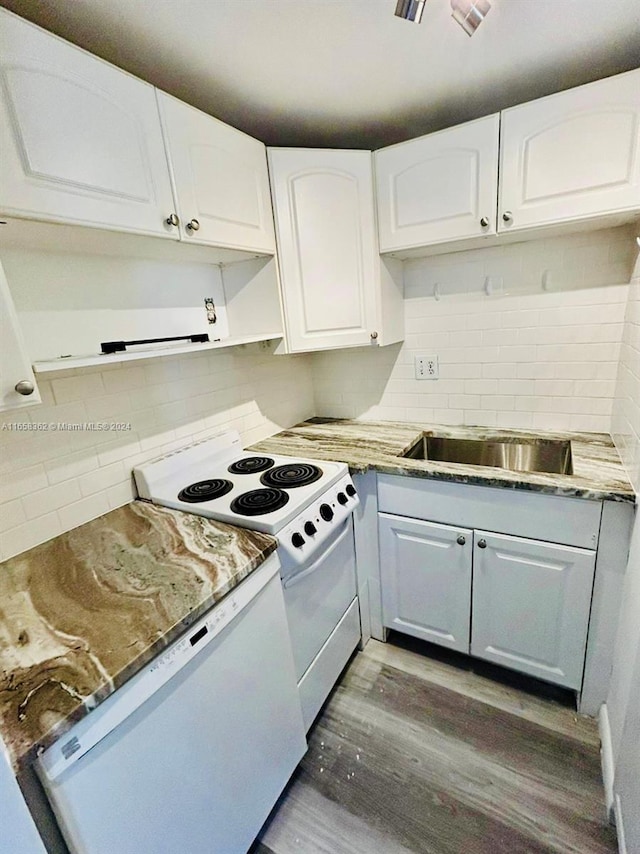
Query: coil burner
{"points": [[291, 475], [257, 502]]}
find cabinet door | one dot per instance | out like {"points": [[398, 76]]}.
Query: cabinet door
{"points": [[323, 203], [438, 187], [221, 179], [81, 140], [531, 603], [572, 155], [15, 366], [426, 580]]}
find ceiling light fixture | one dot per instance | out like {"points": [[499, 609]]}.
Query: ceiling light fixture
{"points": [[469, 13], [410, 10]]}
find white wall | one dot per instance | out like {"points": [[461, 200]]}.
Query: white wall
{"points": [[52, 482], [521, 357], [623, 702]]}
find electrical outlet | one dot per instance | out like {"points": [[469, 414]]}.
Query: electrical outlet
{"points": [[427, 367]]}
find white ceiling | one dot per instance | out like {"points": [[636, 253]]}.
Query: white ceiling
{"points": [[348, 73]]}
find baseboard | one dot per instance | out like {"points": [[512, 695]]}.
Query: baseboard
{"points": [[606, 759]]}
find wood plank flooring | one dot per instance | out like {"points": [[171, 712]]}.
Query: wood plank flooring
{"points": [[413, 754]]}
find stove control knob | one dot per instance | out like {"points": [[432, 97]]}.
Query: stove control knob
{"points": [[310, 529], [342, 498], [297, 541], [350, 490], [326, 512]]}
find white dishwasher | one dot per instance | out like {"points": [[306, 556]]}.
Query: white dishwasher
{"points": [[191, 754]]}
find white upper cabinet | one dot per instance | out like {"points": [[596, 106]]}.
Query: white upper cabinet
{"points": [[81, 140], [439, 187], [573, 155], [17, 383], [336, 292], [221, 179]]}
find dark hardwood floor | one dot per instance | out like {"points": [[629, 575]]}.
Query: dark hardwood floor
{"points": [[416, 754]]}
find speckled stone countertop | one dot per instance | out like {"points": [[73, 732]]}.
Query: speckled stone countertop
{"points": [[84, 612], [598, 472]]}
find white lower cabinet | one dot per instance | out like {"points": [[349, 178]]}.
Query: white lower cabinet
{"points": [[517, 601], [426, 580], [530, 606]]}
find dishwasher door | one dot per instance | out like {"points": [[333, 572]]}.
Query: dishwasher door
{"points": [[199, 765]]}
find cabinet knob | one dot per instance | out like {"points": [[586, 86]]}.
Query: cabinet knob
{"points": [[482, 544], [172, 219], [507, 216], [374, 335], [25, 387], [193, 225], [484, 221], [461, 540]]}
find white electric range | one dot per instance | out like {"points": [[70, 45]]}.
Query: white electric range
{"points": [[308, 506]]}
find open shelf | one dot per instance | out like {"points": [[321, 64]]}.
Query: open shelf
{"points": [[65, 363]]}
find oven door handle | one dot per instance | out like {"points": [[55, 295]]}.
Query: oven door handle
{"points": [[299, 576]]}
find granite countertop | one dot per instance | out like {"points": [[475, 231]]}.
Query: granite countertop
{"points": [[84, 612], [598, 472]]}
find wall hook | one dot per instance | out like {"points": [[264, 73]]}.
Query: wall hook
{"points": [[488, 287], [546, 281], [436, 291]]}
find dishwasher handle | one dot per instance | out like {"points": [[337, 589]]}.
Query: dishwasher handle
{"points": [[300, 576]]}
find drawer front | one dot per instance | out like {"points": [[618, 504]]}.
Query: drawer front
{"points": [[553, 518]]}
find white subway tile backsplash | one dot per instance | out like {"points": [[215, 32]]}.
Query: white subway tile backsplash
{"points": [[104, 407], [77, 387], [480, 386], [120, 494], [448, 416], [498, 402], [514, 420], [78, 512], [11, 514], [102, 478], [535, 370], [22, 481], [595, 388], [550, 421], [44, 501], [516, 388], [71, 466], [124, 379], [498, 370], [554, 388], [118, 449], [29, 534], [543, 357], [480, 418]]}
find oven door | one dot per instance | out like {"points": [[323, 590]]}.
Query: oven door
{"points": [[318, 593]]}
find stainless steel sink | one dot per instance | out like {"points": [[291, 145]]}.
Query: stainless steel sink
{"points": [[545, 455]]}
